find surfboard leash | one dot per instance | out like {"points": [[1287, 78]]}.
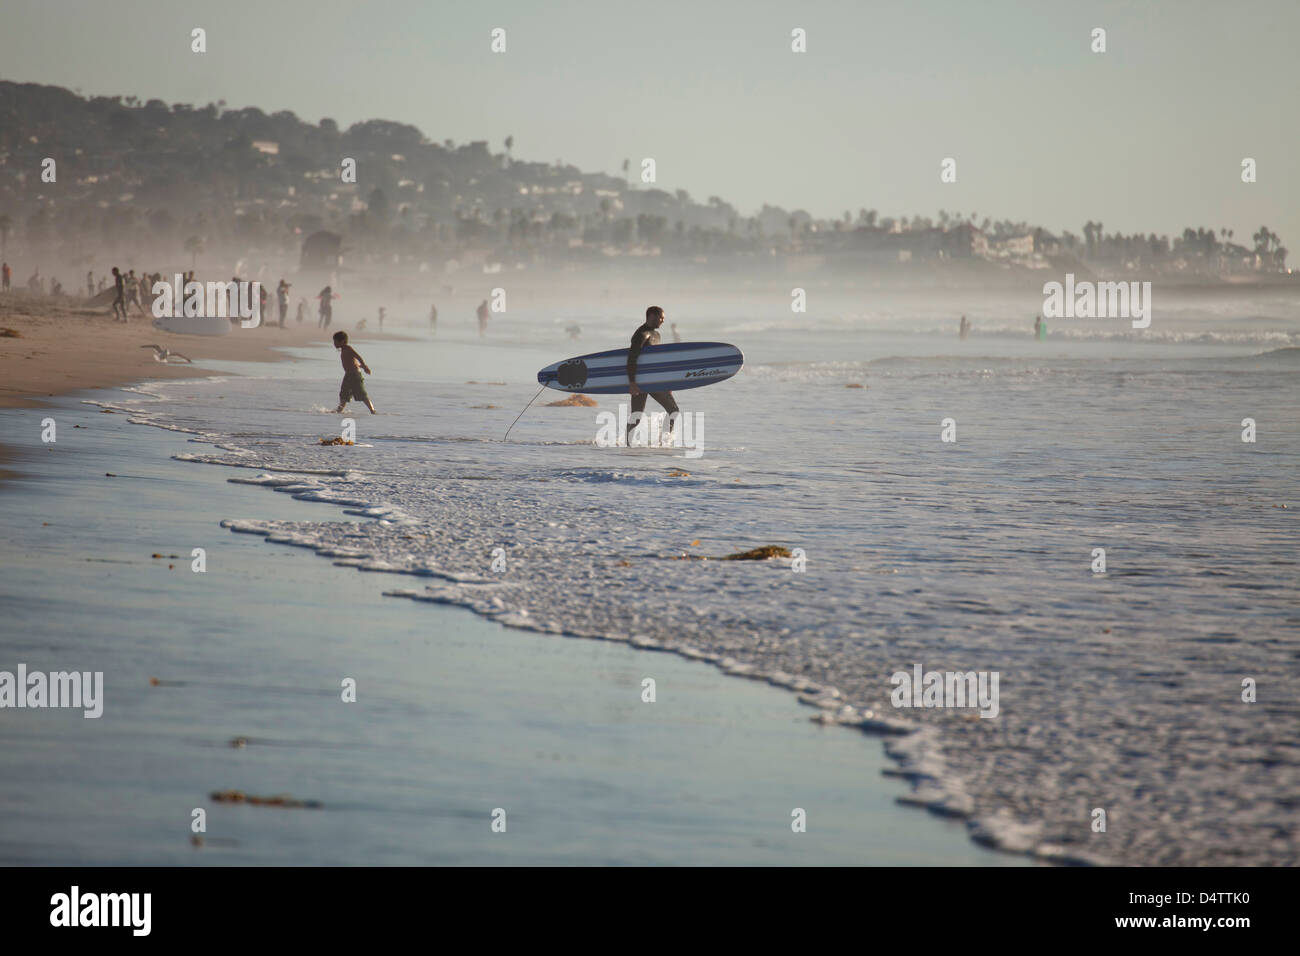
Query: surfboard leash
{"points": [[521, 414]]}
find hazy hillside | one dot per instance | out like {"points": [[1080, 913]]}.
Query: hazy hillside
{"points": [[126, 176]]}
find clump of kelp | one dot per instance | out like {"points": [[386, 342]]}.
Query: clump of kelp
{"points": [[754, 554], [279, 800]]}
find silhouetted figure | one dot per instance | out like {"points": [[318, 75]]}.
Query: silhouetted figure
{"points": [[133, 291], [1040, 329], [354, 385], [232, 309], [282, 297], [647, 334], [482, 313], [433, 318], [327, 298], [6, 276], [119, 296], [963, 330]]}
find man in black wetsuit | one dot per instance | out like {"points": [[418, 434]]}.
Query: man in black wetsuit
{"points": [[647, 334]]}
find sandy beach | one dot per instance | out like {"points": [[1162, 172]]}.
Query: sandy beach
{"points": [[62, 345]]}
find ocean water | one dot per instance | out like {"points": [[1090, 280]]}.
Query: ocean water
{"points": [[1119, 690]]}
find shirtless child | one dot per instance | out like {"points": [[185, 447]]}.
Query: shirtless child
{"points": [[354, 385]]}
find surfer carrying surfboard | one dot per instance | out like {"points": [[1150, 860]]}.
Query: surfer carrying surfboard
{"points": [[647, 334]]}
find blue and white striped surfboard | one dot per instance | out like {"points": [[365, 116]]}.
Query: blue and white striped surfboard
{"points": [[659, 368]]}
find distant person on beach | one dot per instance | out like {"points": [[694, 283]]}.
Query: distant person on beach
{"points": [[381, 318], [56, 287], [647, 334], [963, 330], [119, 295], [6, 275], [482, 313], [676, 336], [302, 310], [90, 284], [574, 330], [232, 299], [35, 284], [1040, 328], [103, 283], [327, 298], [433, 318], [282, 299], [354, 386], [133, 291]]}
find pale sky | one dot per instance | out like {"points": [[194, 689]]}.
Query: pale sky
{"points": [[1147, 136]]}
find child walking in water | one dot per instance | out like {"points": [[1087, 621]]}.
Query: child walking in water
{"points": [[354, 386]]}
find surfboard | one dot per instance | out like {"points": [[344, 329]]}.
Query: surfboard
{"points": [[659, 368], [193, 324]]}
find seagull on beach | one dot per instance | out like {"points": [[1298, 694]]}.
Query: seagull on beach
{"points": [[165, 356]]}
